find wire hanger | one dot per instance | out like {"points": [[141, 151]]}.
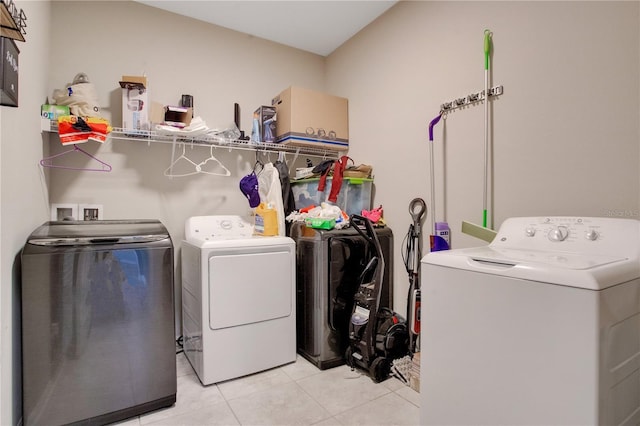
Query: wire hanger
{"points": [[226, 171], [48, 161], [259, 164]]}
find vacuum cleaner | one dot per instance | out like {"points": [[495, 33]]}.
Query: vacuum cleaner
{"points": [[377, 335], [411, 256]]}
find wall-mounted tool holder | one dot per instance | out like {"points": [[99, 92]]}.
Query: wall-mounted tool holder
{"points": [[470, 99]]}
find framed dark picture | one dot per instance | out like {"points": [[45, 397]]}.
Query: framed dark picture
{"points": [[8, 72]]}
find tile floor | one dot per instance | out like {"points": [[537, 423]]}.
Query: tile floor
{"points": [[294, 394]]}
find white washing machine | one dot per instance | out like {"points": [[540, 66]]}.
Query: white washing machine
{"points": [[540, 327], [238, 298]]}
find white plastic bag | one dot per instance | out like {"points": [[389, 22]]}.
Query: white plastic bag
{"points": [[80, 96], [271, 192]]}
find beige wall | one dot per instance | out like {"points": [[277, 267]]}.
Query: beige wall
{"points": [[23, 194], [565, 132], [179, 55]]}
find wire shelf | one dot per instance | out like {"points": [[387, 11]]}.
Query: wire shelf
{"points": [[213, 139], [219, 141]]}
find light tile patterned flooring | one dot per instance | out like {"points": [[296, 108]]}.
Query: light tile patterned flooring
{"points": [[294, 394]]}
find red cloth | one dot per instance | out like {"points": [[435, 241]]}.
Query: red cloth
{"points": [[323, 168], [336, 184], [323, 179]]}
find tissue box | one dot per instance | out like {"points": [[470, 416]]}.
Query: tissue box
{"points": [[49, 116], [354, 195], [135, 104], [310, 118], [52, 112]]}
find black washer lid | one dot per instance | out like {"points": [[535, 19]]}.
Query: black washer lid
{"points": [[98, 231]]}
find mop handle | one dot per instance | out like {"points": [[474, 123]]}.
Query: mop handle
{"points": [[433, 185], [487, 51], [433, 123], [487, 48]]}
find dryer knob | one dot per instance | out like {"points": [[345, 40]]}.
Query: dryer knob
{"points": [[559, 233], [530, 232], [591, 235]]}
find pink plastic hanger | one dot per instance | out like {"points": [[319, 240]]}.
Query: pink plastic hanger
{"points": [[47, 162]]}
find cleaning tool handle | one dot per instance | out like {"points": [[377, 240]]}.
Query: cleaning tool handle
{"points": [[364, 227], [433, 123], [487, 48], [487, 51], [417, 210]]}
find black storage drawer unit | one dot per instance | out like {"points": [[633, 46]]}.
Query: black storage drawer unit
{"points": [[328, 265]]}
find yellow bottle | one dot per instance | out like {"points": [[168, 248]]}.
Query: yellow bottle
{"points": [[266, 220]]}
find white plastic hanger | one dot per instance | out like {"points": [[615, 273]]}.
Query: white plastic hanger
{"points": [[214, 172], [181, 159], [197, 167]]}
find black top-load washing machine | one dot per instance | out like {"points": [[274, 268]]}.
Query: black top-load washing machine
{"points": [[328, 266], [98, 342]]}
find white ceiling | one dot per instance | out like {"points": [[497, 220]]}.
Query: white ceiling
{"points": [[317, 26]]}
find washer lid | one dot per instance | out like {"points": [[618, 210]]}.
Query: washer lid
{"points": [[592, 272], [66, 233], [538, 258], [586, 252]]}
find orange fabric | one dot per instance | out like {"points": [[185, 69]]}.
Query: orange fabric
{"points": [[75, 130]]}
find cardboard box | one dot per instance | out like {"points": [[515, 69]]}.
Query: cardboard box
{"points": [[8, 72], [264, 124], [139, 79], [156, 113], [310, 118], [177, 116], [135, 104]]}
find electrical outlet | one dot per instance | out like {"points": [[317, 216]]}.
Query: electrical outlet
{"points": [[90, 212], [64, 211]]}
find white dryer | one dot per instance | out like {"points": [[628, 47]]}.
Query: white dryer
{"points": [[238, 298], [540, 327]]}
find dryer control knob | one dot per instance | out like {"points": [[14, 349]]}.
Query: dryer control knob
{"points": [[530, 232], [559, 233], [591, 235]]}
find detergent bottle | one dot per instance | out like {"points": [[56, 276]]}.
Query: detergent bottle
{"points": [[442, 236], [266, 220]]}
